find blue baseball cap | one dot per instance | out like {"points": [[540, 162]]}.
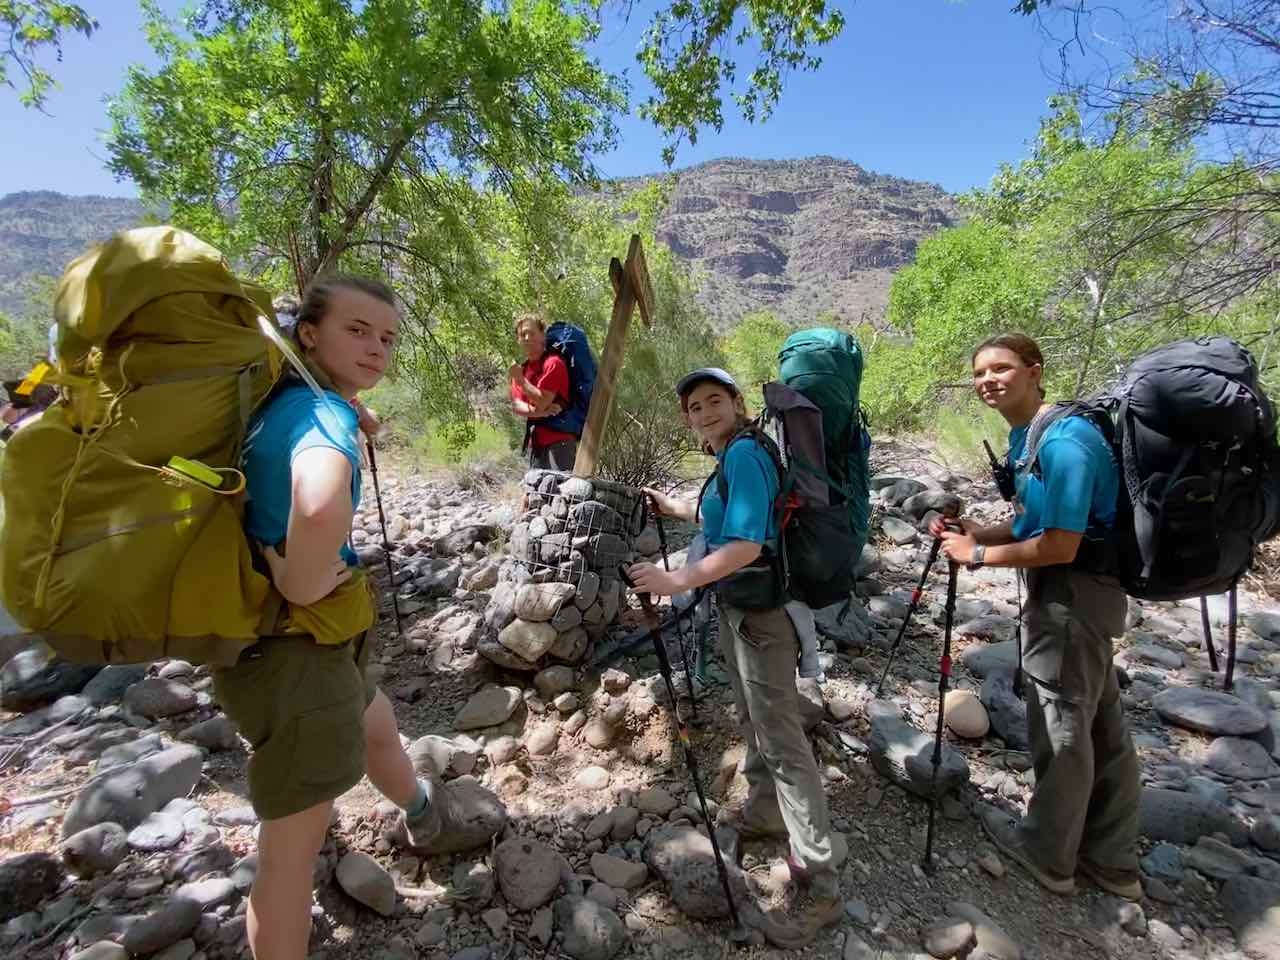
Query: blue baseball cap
{"points": [[702, 375]]}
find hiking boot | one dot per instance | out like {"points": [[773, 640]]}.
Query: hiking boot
{"points": [[1003, 831], [814, 917], [751, 824], [420, 830], [1127, 886]]}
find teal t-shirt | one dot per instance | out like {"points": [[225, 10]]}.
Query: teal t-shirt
{"points": [[293, 421], [1078, 484], [753, 487]]}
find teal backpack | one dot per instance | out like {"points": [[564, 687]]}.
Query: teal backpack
{"points": [[815, 431], [825, 367]]}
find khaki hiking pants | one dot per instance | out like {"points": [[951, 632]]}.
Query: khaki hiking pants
{"points": [[760, 649], [1085, 803]]}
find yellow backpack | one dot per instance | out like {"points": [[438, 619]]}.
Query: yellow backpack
{"points": [[122, 539]]}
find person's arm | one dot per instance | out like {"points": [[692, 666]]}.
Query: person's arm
{"points": [[1050, 548], [746, 526], [676, 507], [1069, 474], [714, 566], [319, 523], [988, 536]]}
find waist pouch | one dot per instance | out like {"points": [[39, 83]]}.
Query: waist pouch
{"points": [[347, 612], [757, 586]]}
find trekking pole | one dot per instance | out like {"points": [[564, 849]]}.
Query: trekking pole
{"points": [[739, 933], [1017, 670], [684, 653], [386, 542], [1007, 484], [916, 594], [944, 674]]}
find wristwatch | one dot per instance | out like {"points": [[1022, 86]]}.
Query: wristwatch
{"points": [[979, 557]]}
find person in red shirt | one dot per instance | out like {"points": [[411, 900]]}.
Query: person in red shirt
{"points": [[540, 389]]}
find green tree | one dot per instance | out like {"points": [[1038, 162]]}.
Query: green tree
{"points": [[1074, 247], [29, 28], [308, 134], [690, 53], [751, 350]]}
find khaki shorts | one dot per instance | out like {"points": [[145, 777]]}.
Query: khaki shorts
{"points": [[301, 707]]}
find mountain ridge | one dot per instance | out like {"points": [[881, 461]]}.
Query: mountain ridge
{"points": [[803, 238]]}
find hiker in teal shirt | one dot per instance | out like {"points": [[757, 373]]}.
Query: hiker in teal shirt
{"points": [[1083, 814], [785, 796], [293, 422], [1078, 461]]}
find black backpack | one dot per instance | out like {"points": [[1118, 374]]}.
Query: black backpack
{"points": [[1195, 439]]}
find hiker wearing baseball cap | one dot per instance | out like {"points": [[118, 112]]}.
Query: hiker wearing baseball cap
{"points": [[757, 637]]}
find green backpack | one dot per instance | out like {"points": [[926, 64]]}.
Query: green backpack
{"points": [[814, 430], [825, 366]]}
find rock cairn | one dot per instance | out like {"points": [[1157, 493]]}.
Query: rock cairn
{"points": [[559, 590]]}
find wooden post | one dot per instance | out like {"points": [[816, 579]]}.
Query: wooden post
{"points": [[631, 288]]}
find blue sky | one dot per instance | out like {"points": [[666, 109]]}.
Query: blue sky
{"points": [[937, 90]]}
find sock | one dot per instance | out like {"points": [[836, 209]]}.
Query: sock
{"points": [[418, 804]]}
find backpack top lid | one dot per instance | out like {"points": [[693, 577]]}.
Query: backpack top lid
{"points": [[1197, 390], [826, 366], [102, 287]]}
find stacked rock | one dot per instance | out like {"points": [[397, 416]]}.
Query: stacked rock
{"points": [[559, 590]]}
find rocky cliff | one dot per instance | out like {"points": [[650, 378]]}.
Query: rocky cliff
{"points": [[798, 237]]}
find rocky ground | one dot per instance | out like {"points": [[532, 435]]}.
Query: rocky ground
{"points": [[125, 830]]}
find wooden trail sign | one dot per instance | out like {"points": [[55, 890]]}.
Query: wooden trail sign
{"points": [[631, 289]]}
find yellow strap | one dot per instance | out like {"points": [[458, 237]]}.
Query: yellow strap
{"points": [[33, 379]]}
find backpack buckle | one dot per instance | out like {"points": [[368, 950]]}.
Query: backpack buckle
{"points": [[193, 471]]}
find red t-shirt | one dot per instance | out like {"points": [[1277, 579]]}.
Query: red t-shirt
{"points": [[547, 373]]}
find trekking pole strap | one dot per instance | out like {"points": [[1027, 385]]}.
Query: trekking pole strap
{"points": [[386, 541], [666, 565]]}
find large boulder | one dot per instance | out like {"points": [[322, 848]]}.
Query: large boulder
{"points": [[36, 676], [1251, 908], [528, 872], [128, 794], [1208, 711], [487, 707], [476, 816], [903, 754], [682, 856], [591, 931], [528, 640], [1007, 712], [539, 602], [1184, 817], [26, 880]]}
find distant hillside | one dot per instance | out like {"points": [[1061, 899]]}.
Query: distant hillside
{"points": [[799, 237], [40, 231]]}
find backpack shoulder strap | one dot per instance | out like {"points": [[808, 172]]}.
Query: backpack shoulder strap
{"points": [[750, 431], [1059, 411]]}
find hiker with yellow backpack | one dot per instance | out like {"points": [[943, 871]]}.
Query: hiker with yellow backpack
{"points": [[124, 540]]}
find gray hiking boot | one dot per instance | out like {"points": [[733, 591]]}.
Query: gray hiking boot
{"points": [[420, 830], [1003, 831], [1127, 886]]}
